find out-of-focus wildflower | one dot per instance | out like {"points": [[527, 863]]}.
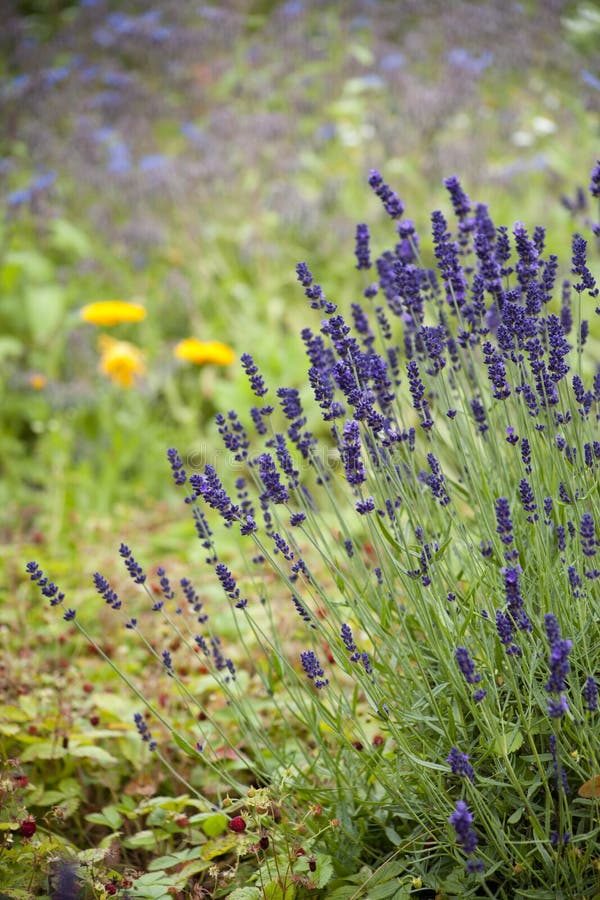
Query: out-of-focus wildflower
{"points": [[121, 361], [37, 381], [112, 312], [203, 352]]}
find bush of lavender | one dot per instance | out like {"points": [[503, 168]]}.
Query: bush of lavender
{"points": [[417, 696]]}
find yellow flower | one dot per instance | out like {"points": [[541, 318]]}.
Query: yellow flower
{"points": [[120, 361], [112, 312], [201, 352], [37, 381]]}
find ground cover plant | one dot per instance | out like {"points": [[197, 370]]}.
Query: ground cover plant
{"points": [[412, 705]]}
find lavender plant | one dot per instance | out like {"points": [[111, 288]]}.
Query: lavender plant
{"points": [[416, 603]]}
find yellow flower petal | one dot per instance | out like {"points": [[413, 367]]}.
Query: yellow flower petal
{"points": [[202, 352], [112, 312], [120, 361], [37, 381]]}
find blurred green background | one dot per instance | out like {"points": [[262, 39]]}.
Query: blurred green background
{"points": [[186, 156]]}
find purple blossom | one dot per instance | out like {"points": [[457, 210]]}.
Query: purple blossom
{"points": [[505, 630], [285, 461], [446, 254], [176, 463], [391, 201], [558, 348], [209, 487], [580, 269], [258, 416], [301, 610], [460, 201], [297, 518], [528, 500], [504, 525], [313, 669], [559, 666], [594, 187], [590, 693], [417, 391], [144, 731], [193, 600], [135, 570], [313, 290], [365, 506], [587, 532], [526, 455], [496, 371], [362, 247], [105, 591], [514, 600], [290, 403], [435, 480], [466, 665], [350, 452], [256, 380], [168, 662], [528, 262], [275, 491], [478, 411], [347, 638], [234, 435], [165, 585], [461, 820], [229, 585], [460, 765]]}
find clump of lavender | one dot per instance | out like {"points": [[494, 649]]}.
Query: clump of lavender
{"points": [[406, 580]]}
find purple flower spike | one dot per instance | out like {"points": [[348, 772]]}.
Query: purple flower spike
{"points": [[559, 667], [590, 694], [362, 247], [391, 201], [313, 669], [460, 765], [466, 665], [461, 820]]}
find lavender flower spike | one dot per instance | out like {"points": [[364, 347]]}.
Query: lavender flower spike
{"points": [[466, 665], [313, 669], [391, 201], [461, 820], [459, 764], [559, 667]]}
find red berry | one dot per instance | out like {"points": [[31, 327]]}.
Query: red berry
{"points": [[237, 824], [182, 821], [20, 780], [110, 888], [312, 864], [94, 720], [357, 745], [87, 688], [264, 842], [28, 828], [378, 740]]}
